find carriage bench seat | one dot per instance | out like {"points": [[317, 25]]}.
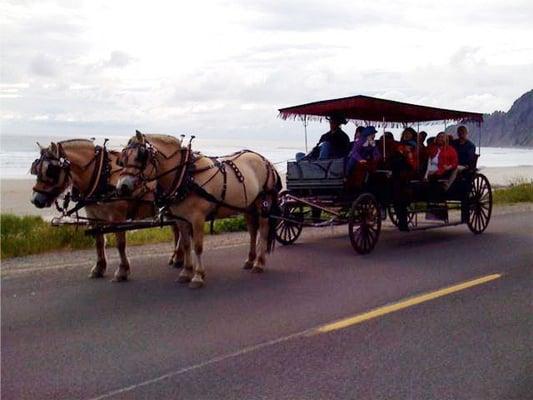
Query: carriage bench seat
{"points": [[316, 174]]}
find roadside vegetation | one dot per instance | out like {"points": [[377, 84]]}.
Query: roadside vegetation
{"points": [[519, 191], [22, 236]]}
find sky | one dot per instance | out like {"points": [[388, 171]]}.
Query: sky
{"points": [[221, 69]]}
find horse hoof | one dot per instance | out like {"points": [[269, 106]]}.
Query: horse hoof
{"points": [[196, 284], [96, 274], [183, 279], [120, 278], [177, 264], [257, 269], [247, 265]]}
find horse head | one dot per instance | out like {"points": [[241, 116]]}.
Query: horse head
{"points": [[144, 157], [52, 170]]}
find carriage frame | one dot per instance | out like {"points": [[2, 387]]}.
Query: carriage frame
{"points": [[305, 202]]}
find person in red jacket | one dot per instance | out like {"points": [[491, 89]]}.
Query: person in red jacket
{"points": [[442, 160]]}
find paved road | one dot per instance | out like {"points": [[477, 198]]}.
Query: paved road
{"points": [[248, 336]]}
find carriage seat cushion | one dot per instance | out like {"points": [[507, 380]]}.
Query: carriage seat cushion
{"points": [[316, 169]]}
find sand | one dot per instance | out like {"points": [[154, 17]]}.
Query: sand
{"points": [[16, 193]]}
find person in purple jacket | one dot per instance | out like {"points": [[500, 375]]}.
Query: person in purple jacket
{"points": [[364, 148], [364, 155]]}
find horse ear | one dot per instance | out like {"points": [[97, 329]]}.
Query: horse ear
{"points": [[41, 148], [54, 150], [139, 136]]}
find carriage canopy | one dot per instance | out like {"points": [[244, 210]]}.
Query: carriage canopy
{"points": [[374, 110]]}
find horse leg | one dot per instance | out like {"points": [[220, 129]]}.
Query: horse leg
{"points": [[101, 263], [176, 259], [263, 240], [123, 270], [185, 246], [253, 225], [197, 280]]}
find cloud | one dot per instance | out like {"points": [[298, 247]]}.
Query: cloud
{"points": [[118, 59], [223, 68], [43, 65]]}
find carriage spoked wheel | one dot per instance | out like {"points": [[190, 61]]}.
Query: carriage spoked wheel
{"points": [[288, 230], [479, 204], [394, 218], [364, 224]]}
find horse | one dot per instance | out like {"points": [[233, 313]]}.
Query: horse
{"points": [[93, 172], [197, 188]]}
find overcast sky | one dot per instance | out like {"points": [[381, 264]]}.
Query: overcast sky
{"points": [[223, 68]]}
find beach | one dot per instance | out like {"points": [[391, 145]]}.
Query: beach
{"points": [[16, 193]]}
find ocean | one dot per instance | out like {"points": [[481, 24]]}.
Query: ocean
{"points": [[18, 152]]}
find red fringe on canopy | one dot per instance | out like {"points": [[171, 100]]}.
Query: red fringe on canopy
{"points": [[366, 110]]}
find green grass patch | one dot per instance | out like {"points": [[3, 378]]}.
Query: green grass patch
{"points": [[22, 236], [519, 191]]}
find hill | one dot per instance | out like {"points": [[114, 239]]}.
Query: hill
{"points": [[513, 128]]}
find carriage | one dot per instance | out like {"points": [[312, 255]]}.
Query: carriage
{"points": [[319, 192]]}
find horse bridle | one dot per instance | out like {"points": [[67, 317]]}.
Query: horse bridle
{"points": [[147, 152], [54, 166]]}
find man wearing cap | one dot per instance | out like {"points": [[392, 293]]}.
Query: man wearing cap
{"points": [[335, 143]]}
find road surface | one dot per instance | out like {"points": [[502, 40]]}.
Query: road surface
{"points": [[276, 335]]}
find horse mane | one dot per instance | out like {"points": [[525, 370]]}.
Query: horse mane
{"points": [[163, 139], [77, 143]]}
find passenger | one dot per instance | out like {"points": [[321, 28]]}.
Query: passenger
{"points": [[422, 155], [442, 163], [422, 137], [466, 150], [363, 157], [357, 133], [407, 148], [409, 137], [404, 169], [386, 149], [335, 143], [364, 149]]}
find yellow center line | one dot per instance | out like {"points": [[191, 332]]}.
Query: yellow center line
{"points": [[378, 312]]}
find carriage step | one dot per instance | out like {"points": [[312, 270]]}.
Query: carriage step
{"points": [[434, 226]]}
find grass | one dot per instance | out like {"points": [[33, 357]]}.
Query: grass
{"points": [[519, 191], [22, 236], [27, 235]]}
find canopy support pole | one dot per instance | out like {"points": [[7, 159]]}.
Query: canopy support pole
{"points": [[417, 147], [304, 120], [384, 138], [479, 139]]}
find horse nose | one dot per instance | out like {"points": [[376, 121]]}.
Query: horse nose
{"points": [[38, 200], [125, 187]]}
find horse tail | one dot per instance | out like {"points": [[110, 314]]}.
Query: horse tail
{"points": [[275, 211]]}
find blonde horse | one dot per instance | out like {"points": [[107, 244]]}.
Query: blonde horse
{"points": [[197, 188], [93, 173]]}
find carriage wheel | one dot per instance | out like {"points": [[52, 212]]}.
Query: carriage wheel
{"points": [[479, 204], [364, 224], [394, 218], [288, 231]]}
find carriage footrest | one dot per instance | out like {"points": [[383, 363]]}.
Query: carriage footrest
{"points": [[437, 214]]}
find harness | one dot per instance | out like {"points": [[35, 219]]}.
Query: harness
{"points": [[98, 190], [184, 182]]}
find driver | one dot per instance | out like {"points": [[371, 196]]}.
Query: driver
{"points": [[335, 143]]}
